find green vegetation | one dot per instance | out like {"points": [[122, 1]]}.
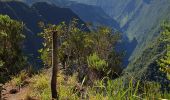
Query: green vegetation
{"points": [[73, 45], [11, 57], [94, 62], [78, 46], [94, 53], [19, 79], [152, 65], [89, 66], [115, 89], [41, 87], [164, 62]]}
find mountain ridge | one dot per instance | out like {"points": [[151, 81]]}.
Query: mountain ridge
{"points": [[96, 18]]}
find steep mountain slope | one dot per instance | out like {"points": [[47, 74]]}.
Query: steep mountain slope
{"points": [[137, 18], [146, 67], [31, 16], [144, 24], [140, 19], [93, 14]]}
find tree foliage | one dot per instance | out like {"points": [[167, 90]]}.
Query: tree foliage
{"points": [[11, 36], [95, 62], [82, 49]]}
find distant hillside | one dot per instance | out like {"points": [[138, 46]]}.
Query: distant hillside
{"points": [[94, 14], [138, 19], [31, 16], [88, 13]]}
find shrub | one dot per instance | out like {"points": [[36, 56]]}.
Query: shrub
{"points": [[95, 62]]}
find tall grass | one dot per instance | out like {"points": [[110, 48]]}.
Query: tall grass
{"points": [[41, 87], [136, 90], [113, 90]]}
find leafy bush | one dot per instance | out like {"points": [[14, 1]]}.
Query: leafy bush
{"points": [[95, 62]]}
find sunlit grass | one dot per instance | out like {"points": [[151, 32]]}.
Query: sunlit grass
{"points": [[41, 87], [114, 90]]}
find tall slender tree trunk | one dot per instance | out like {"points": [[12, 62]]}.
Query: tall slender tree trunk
{"points": [[54, 66]]}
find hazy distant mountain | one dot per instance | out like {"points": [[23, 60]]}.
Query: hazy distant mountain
{"points": [[87, 13], [94, 14]]}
